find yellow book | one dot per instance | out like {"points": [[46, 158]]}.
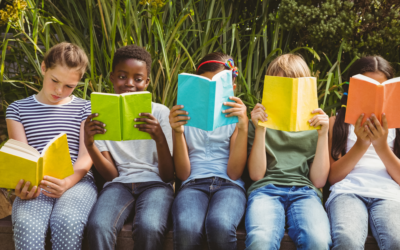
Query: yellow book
{"points": [[21, 161], [289, 102]]}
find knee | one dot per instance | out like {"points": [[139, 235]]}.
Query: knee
{"points": [[347, 241], [220, 230], [149, 229], [316, 240], [97, 225], [258, 239]]}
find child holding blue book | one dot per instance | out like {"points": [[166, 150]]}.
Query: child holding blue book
{"points": [[287, 168], [63, 205], [365, 172], [211, 201], [139, 172]]}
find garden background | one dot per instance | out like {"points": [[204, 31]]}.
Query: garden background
{"points": [[329, 34]]}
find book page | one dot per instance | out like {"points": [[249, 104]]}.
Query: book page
{"points": [[393, 80], [366, 78], [23, 147]]}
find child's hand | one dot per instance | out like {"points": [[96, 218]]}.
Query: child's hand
{"points": [[376, 133], [238, 109], [178, 118], [151, 126], [56, 187], [320, 120], [258, 114], [23, 193], [361, 132], [91, 128]]}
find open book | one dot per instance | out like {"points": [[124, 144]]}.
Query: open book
{"points": [[118, 112], [203, 99], [289, 102], [21, 161], [368, 96]]}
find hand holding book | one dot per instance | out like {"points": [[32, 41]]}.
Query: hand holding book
{"points": [[151, 126], [237, 109], [178, 118]]}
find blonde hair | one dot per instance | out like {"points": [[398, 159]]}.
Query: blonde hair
{"points": [[290, 65], [66, 54]]}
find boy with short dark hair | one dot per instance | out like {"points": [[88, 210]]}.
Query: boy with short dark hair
{"points": [[139, 172]]}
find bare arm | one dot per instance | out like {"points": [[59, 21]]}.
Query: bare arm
{"points": [[319, 169], [177, 119], [153, 127], [257, 162], [378, 135], [342, 167], [102, 160], [238, 144]]}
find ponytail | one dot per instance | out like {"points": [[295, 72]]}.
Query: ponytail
{"points": [[340, 128]]}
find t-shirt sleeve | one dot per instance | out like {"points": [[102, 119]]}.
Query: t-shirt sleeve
{"points": [[12, 112], [163, 119], [87, 110], [101, 145]]}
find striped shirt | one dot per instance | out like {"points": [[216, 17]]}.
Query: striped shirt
{"points": [[43, 122]]}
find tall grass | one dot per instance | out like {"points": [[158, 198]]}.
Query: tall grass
{"points": [[177, 34]]}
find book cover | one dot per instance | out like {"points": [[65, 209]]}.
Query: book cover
{"points": [[203, 99], [118, 112], [21, 161], [289, 103], [368, 96]]}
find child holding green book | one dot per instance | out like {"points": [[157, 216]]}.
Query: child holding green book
{"points": [[139, 172], [63, 205]]}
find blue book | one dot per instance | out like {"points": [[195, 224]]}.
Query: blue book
{"points": [[203, 99]]}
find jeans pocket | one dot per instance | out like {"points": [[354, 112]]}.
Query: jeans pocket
{"points": [[187, 184]]}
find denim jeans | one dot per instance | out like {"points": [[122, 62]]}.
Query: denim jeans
{"points": [[149, 201], [209, 208], [66, 217], [271, 208], [349, 215]]}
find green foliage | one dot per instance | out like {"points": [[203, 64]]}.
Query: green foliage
{"points": [[178, 33]]}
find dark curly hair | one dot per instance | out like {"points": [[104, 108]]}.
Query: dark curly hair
{"points": [[132, 52]]}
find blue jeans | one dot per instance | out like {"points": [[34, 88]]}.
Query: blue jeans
{"points": [[271, 208], [149, 201], [349, 215], [66, 217], [210, 208]]}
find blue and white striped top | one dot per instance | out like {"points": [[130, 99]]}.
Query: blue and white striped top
{"points": [[43, 122]]}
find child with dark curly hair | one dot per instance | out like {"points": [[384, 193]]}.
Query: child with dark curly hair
{"points": [[139, 172]]}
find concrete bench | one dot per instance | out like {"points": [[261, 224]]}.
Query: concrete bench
{"points": [[125, 239]]}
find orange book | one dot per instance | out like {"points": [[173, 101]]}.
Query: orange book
{"points": [[368, 96]]}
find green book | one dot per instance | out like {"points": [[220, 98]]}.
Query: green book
{"points": [[118, 112]]}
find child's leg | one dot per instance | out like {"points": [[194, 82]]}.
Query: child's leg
{"points": [[113, 207], [385, 223], [70, 214], [30, 220], [307, 220], [225, 211], [152, 208], [189, 211], [348, 217], [265, 218]]}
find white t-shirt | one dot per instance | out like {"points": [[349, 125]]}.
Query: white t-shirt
{"points": [[137, 160], [369, 178]]}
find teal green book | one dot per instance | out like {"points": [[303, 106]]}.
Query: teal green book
{"points": [[118, 112]]}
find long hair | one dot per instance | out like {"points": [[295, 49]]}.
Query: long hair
{"points": [[340, 128]]}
